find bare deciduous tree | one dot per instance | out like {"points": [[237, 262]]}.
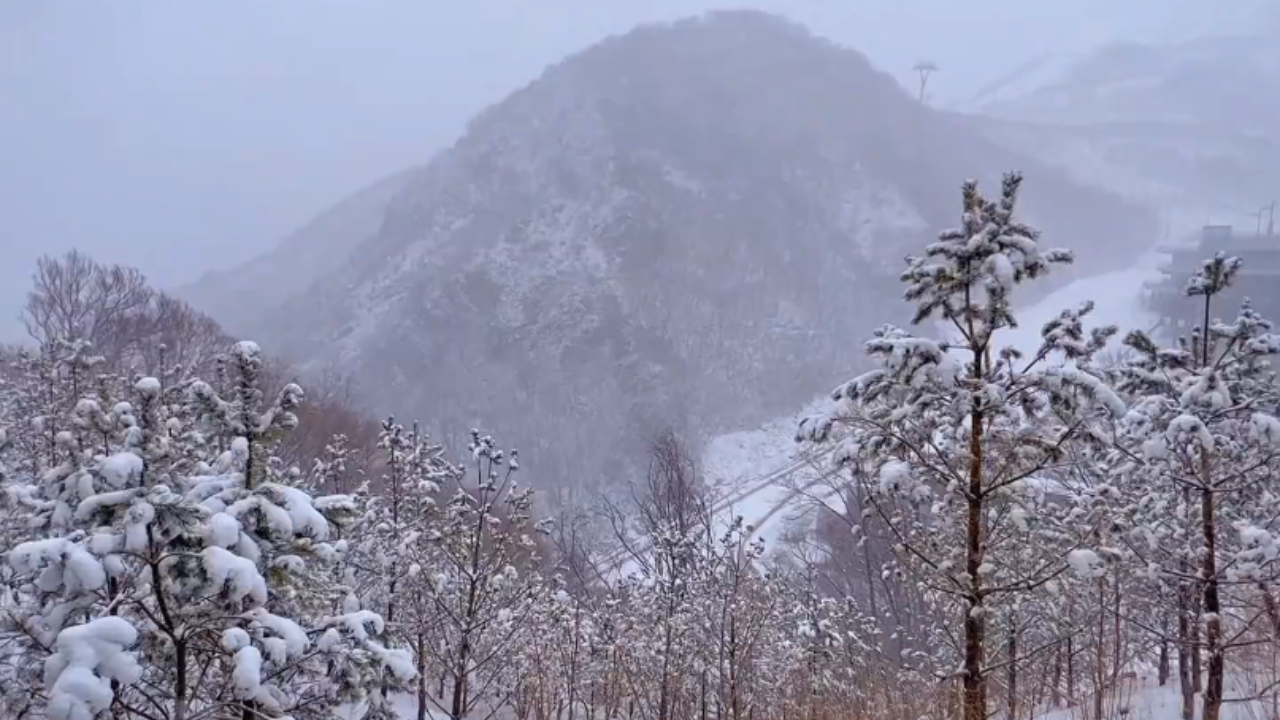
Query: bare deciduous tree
{"points": [[126, 321]]}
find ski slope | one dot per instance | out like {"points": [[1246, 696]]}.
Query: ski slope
{"points": [[760, 469], [1117, 298]]}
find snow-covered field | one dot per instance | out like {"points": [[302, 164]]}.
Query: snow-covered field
{"points": [[758, 470]]}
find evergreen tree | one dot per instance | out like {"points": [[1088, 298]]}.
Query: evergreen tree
{"points": [[161, 587], [957, 442], [1203, 445]]}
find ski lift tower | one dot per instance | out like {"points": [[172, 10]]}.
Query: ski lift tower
{"points": [[924, 69]]}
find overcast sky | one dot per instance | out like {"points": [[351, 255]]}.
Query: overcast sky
{"points": [[180, 135]]}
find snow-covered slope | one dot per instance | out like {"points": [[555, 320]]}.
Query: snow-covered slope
{"points": [[1142, 698], [689, 226], [761, 469], [1045, 70], [763, 476]]}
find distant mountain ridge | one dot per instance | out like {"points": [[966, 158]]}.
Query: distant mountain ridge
{"points": [[691, 225], [1192, 126], [1227, 81], [242, 293]]}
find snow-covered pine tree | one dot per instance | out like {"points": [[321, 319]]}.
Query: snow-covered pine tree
{"points": [[958, 441], [1204, 446], [332, 471], [42, 385], [392, 543], [16, 674], [63, 594], [158, 593], [285, 535]]}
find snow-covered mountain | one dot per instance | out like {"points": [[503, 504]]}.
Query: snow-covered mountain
{"points": [[1192, 127], [691, 225]]}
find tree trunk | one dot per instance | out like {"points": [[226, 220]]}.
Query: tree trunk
{"points": [[1099, 652], [702, 692], [1271, 608], [1184, 653], [458, 705], [734, 708], [1055, 681], [1162, 667], [1012, 677], [573, 665], [1197, 665], [422, 676], [664, 688], [1212, 606], [180, 680], [1071, 663], [1188, 637], [1117, 646], [975, 685]]}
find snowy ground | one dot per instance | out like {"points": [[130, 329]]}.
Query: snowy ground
{"points": [[759, 469], [1139, 700], [406, 706], [1144, 700]]}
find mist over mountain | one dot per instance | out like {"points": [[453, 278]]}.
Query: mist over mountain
{"points": [[1193, 127], [317, 249], [691, 225]]}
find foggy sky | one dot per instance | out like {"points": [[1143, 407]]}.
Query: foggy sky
{"points": [[183, 135]]}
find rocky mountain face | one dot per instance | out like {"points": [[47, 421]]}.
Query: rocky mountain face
{"points": [[693, 225], [1193, 127]]}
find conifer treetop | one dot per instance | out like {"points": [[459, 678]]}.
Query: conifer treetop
{"points": [[968, 276]]}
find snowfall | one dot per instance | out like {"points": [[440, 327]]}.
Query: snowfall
{"points": [[764, 477], [760, 473]]}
